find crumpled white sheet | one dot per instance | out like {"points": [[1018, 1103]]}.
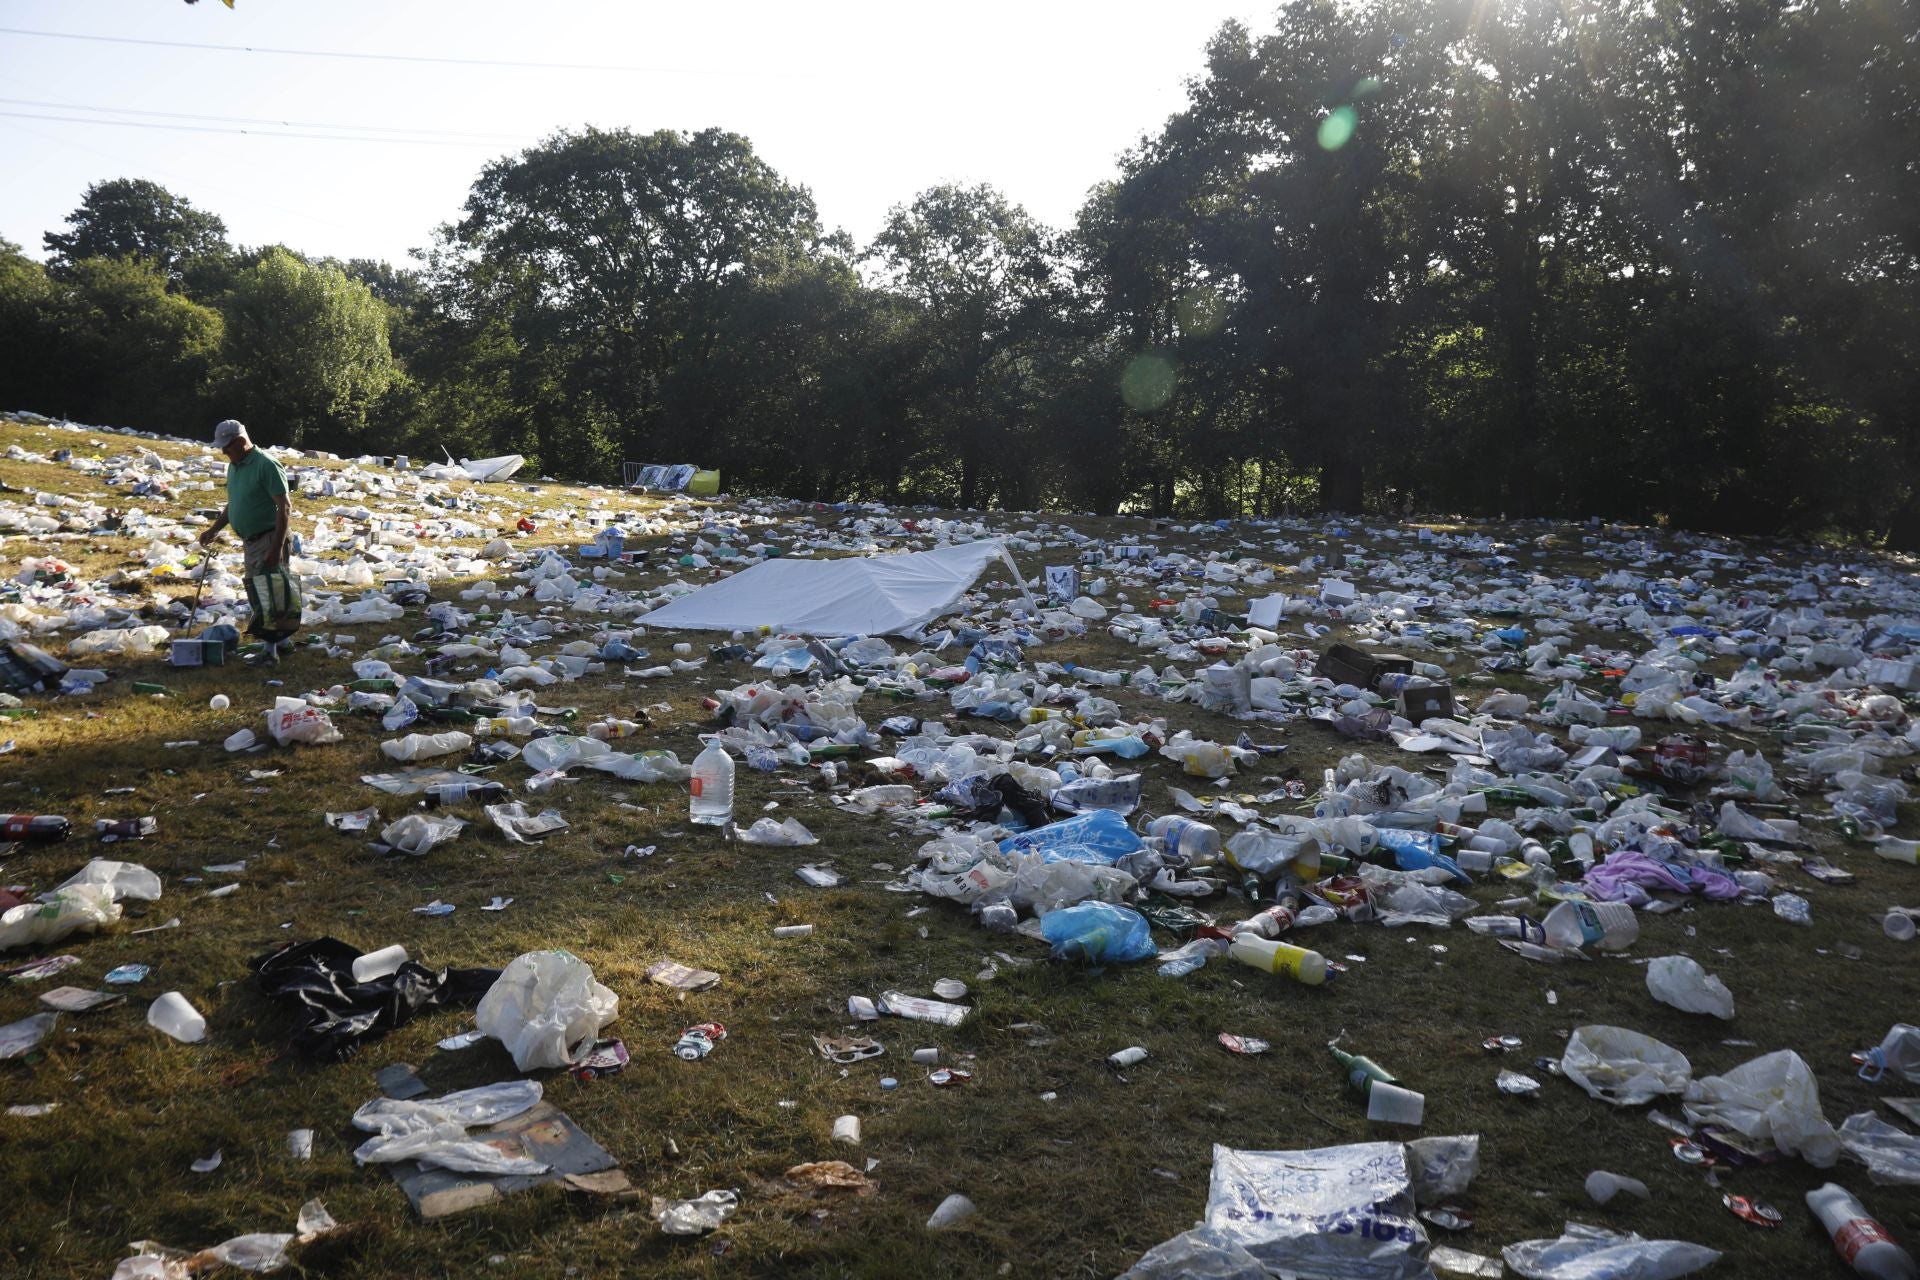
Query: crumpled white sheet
{"points": [[433, 1131]]}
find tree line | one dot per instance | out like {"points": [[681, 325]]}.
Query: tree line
{"points": [[1632, 258]]}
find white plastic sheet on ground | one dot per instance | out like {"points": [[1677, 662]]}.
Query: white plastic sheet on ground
{"points": [[433, 1131], [1682, 983], [1337, 1213], [857, 595], [1772, 1098], [1624, 1067], [1594, 1253]]}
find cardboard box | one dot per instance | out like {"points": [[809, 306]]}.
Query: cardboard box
{"points": [[1344, 664], [196, 653], [1422, 702]]}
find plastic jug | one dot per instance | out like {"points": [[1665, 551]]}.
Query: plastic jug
{"points": [[711, 792]]}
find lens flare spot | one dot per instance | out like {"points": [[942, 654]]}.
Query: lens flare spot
{"points": [[1337, 128], [1147, 382]]}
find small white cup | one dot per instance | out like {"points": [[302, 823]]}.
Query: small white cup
{"points": [[1390, 1104], [1899, 926]]}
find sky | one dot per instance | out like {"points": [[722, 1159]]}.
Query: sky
{"points": [[864, 104]]}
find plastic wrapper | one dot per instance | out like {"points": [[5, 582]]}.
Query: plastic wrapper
{"points": [[1039, 886], [790, 833], [1204, 1253], [416, 833], [1892, 1156], [433, 1131], [1682, 983], [544, 1007], [125, 643], [1771, 1099], [426, 746], [80, 909], [693, 1217], [1442, 1168], [1099, 932], [1594, 1253], [1337, 1213], [123, 880], [1624, 1067]]}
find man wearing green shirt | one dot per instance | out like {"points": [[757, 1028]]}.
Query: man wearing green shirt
{"points": [[259, 511]]}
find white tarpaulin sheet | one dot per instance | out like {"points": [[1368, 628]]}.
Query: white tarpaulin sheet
{"points": [[858, 595]]}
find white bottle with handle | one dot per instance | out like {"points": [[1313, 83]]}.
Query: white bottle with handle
{"points": [[711, 794]]}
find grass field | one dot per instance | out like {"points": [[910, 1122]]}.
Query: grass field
{"points": [[1077, 1182]]}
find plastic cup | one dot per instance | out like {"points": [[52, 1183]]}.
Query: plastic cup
{"points": [[172, 1014], [847, 1129], [954, 1208], [1390, 1104], [378, 964], [1899, 926]]}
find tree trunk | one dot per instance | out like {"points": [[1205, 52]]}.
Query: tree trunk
{"points": [[1342, 486]]}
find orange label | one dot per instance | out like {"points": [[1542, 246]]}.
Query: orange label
{"points": [[696, 784], [1856, 1235]]}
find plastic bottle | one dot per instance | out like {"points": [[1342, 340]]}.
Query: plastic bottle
{"points": [[1521, 927], [1271, 923], [446, 793], [1362, 1073], [504, 726], [1894, 849], [607, 730], [1610, 926], [1195, 840], [1272, 956], [45, 828], [1862, 1243], [711, 792]]}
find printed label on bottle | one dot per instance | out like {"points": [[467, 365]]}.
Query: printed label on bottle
{"points": [[696, 784], [1856, 1234]]}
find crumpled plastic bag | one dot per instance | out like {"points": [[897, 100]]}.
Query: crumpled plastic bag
{"points": [[1204, 1253], [121, 643], [1442, 1168], [1624, 1067], [1296, 1211], [261, 1252], [122, 879], [1682, 983], [1594, 1253], [693, 1217], [433, 1131], [17, 1038], [426, 746], [768, 832], [416, 833], [1099, 932], [82, 908], [1098, 836], [545, 1007], [516, 824], [292, 720], [1892, 1156], [1040, 886], [1773, 1098]]}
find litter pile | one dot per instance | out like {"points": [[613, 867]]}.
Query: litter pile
{"points": [[1545, 757]]}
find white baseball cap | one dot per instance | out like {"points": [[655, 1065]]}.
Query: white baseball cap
{"points": [[229, 431]]}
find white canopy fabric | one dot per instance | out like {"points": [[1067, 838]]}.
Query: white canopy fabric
{"points": [[857, 595]]}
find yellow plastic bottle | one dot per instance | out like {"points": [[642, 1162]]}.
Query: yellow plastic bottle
{"points": [[1269, 955]]}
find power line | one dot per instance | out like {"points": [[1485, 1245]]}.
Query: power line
{"points": [[251, 133], [289, 124], [364, 57]]}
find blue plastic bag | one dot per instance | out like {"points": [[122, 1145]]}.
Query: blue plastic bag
{"points": [[1100, 836], [1100, 931]]}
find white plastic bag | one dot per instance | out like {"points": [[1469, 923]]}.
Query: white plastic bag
{"points": [[1300, 1212], [1682, 983], [292, 720], [82, 908], [1624, 1067], [1772, 1098], [123, 880], [416, 833], [1892, 1156], [768, 832], [433, 1131], [123, 643], [1594, 1253], [1204, 1253], [543, 1007], [426, 746], [1442, 1168]]}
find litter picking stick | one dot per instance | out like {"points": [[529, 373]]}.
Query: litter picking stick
{"points": [[200, 585]]}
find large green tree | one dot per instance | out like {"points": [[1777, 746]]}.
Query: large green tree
{"points": [[136, 218], [306, 356], [131, 352]]}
